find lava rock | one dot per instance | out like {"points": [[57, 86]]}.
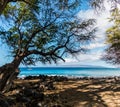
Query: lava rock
{"points": [[39, 96], [50, 86], [21, 98], [3, 101], [28, 92]]}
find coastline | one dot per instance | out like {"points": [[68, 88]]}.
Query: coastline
{"points": [[70, 77], [71, 72], [60, 91]]}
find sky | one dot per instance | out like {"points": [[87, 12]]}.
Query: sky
{"points": [[97, 47]]}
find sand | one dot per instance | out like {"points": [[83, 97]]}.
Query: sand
{"points": [[83, 92]]}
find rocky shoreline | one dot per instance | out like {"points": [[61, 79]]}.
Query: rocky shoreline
{"points": [[59, 91], [29, 92]]}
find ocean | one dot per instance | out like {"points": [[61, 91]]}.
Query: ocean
{"points": [[70, 71]]}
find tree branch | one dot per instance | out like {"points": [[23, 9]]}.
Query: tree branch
{"points": [[37, 31], [60, 57], [3, 5]]}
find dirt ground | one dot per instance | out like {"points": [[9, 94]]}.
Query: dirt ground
{"points": [[99, 92], [90, 93]]}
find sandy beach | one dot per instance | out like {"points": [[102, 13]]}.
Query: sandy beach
{"points": [[44, 91]]}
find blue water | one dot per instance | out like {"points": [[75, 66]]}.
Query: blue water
{"points": [[71, 72]]}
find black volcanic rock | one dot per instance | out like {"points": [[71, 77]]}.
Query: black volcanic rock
{"points": [[3, 101]]}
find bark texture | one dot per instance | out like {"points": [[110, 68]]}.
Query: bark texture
{"points": [[3, 4], [8, 73]]}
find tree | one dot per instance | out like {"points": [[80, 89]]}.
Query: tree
{"points": [[46, 36], [5, 3], [112, 54], [100, 4], [113, 39], [97, 4], [33, 4]]}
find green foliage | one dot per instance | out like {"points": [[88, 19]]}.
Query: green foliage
{"points": [[48, 34], [113, 39], [99, 5]]}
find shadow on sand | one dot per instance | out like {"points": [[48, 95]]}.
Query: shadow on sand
{"points": [[90, 93], [99, 92]]}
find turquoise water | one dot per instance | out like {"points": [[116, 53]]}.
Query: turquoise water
{"points": [[71, 72]]}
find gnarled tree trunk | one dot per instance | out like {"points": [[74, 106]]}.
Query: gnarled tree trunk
{"points": [[3, 4], [8, 73]]}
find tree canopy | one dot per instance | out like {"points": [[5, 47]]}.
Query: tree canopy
{"points": [[33, 4], [112, 54], [48, 34], [100, 4], [43, 17], [4, 4], [113, 39]]}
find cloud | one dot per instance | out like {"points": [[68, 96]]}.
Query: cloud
{"points": [[97, 47], [102, 23], [82, 58]]}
